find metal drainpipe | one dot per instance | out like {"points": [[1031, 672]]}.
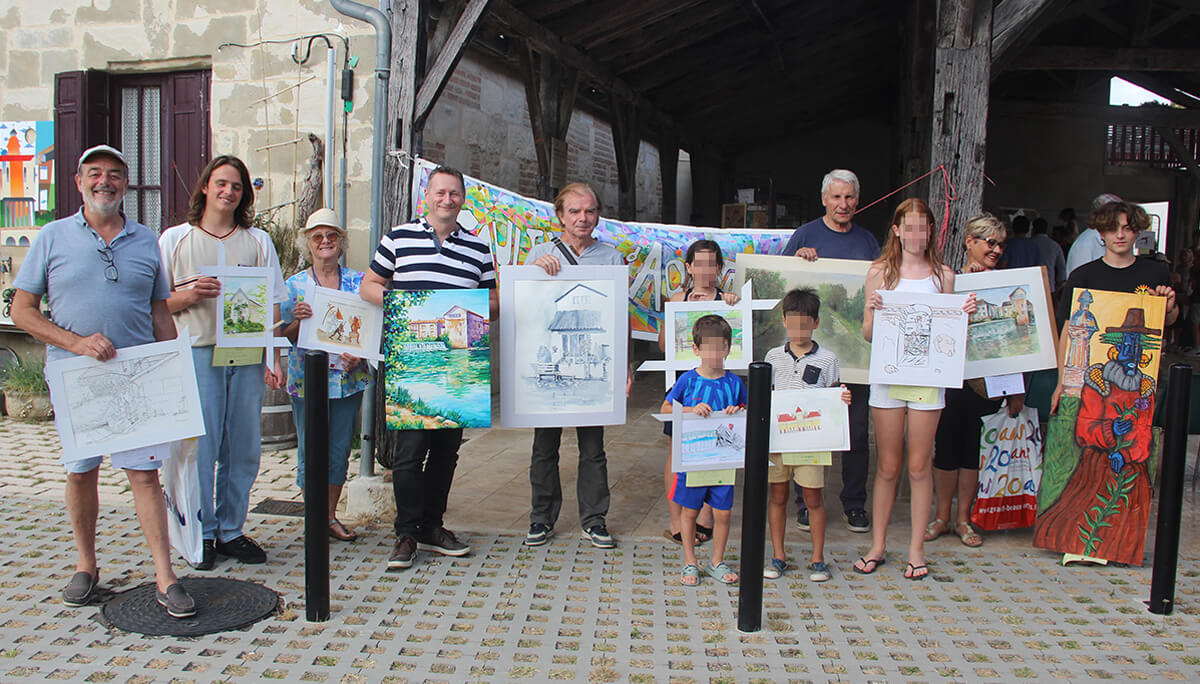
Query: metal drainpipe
{"points": [[383, 63]]}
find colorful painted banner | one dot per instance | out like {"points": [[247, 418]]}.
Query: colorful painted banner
{"points": [[654, 251]]}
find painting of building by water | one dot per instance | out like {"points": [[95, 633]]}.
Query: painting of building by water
{"points": [[437, 359], [1012, 329], [26, 180], [565, 343]]}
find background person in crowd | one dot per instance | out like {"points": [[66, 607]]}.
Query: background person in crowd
{"points": [[704, 264], [910, 263], [836, 236], [219, 220], [107, 290], [1051, 254], [956, 445], [1021, 251], [432, 252], [578, 211], [322, 243]]}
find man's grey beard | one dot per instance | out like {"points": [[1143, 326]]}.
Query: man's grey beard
{"points": [[1115, 373]]}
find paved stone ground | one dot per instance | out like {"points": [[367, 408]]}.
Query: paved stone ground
{"points": [[568, 611]]}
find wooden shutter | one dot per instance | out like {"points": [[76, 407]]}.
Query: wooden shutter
{"points": [[81, 120], [187, 138]]}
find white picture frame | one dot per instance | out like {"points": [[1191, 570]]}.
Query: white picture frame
{"points": [[144, 396], [1013, 329], [246, 298], [717, 442], [809, 420], [919, 339], [342, 323], [564, 344]]}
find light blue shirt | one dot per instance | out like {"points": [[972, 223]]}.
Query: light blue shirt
{"points": [[65, 264], [342, 383]]}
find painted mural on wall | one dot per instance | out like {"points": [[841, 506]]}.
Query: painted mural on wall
{"points": [[26, 180], [1098, 469], [654, 251], [437, 359]]}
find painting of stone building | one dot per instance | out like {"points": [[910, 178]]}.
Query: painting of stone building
{"points": [[458, 327]]}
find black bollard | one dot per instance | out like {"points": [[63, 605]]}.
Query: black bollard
{"points": [[316, 486], [1170, 499], [754, 498]]}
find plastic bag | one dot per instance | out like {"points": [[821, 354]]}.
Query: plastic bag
{"points": [[181, 490], [1010, 470]]}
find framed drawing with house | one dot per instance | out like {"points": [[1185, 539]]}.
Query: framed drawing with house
{"points": [[245, 306], [564, 346]]}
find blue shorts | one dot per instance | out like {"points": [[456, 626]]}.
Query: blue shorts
{"points": [[720, 497]]}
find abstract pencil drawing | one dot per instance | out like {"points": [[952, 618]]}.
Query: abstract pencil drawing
{"points": [[919, 339]]}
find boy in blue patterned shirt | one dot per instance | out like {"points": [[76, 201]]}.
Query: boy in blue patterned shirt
{"points": [[703, 391]]}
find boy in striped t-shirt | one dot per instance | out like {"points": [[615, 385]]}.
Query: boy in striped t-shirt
{"points": [[800, 364], [703, 391]]}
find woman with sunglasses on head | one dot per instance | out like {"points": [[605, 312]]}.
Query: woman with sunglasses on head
{"points": [[231, 394], [956, 446], [322, 243]]}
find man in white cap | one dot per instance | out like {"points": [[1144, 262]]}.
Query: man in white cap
{"points": [[107, 290], [1089, 246]]}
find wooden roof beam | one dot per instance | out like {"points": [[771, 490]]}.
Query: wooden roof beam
{"points": [[1147, 115], [1015, 23], [438, 74], [1073, 58]]}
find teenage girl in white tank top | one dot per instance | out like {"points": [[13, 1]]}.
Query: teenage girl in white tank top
{"points": [[911, 263]]}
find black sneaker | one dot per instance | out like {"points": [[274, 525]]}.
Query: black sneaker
{"points": [[208, 557], [599, 537], [81, 589], [802, 520], [244, 549], [538, 534], [858, 521], [443, 541], [176, 600], [403, 553]]}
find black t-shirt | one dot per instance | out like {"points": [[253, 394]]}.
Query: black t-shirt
{"points": [[1098, 275]]}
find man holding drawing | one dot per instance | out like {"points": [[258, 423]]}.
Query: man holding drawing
{"points": [[578, 212], [107, 290], [836, 236], [430, 253]]}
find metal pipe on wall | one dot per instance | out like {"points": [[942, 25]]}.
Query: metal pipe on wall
{"points": [[330, 100]]}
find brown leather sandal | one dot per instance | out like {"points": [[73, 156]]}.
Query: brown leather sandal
{"points": [[339, 531]]}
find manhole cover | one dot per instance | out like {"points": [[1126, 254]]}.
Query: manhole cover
{"points": [[279, 507], [221, 605]]}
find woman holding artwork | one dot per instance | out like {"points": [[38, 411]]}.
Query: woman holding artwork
{"points": [[910, 263], [956, 447], [704, 265], [322, 243], [218, 233]]}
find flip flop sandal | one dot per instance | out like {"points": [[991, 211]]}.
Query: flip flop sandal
{"points": [[968, 535], [869, 565], [703, 534], [932, 532], [338, 531], [910, 572], [673, 536], [690, 576], [720, 571]]}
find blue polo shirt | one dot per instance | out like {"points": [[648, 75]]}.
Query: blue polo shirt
{"points": [[65, 264], [858, 243]]}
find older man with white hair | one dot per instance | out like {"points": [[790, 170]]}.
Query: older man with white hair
{"points": [[836, 236]]}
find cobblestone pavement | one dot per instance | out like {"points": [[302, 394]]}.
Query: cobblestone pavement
{"points": [[570, 612]]}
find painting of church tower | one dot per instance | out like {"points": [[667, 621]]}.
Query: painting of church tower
{"points": [[1080, 328]]}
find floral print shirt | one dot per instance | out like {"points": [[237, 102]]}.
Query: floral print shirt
{"points": [[342, 383]]}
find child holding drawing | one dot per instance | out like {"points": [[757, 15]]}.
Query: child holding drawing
{"points": [[704, 264], [800, 363], [910, 262], [703, 391]]}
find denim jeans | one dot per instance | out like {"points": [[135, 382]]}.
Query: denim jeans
{"points": [[591, 482], [229, 451], [342, 413], [423, 464]]}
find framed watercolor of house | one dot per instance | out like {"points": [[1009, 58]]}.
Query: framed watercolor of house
{"points": [[437, 359], [840, 283], [1098, 468], [1013, 329], [919, 339], [245, 307], [564, 346], [341, 323], [717, 442]]}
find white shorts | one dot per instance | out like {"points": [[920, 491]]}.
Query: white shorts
{"points": [[145, 458], [880, 398]]}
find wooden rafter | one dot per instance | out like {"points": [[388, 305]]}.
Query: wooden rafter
{"points": [[448, 56]]}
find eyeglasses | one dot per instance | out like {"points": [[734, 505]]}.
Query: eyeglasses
{"points": [[326, 237], [993, 243], [110, 270]]}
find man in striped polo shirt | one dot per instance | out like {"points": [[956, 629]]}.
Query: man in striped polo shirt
{"points": [[429, 253]]}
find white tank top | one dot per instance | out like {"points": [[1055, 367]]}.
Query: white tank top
{"points": [[926, 284]]}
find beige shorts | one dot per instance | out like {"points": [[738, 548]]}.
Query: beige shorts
{"points": [[809, 476]]}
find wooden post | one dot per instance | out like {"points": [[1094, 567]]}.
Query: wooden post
{"points": [[550, 88], [916, 95], [962, 67], [626, 142]]}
